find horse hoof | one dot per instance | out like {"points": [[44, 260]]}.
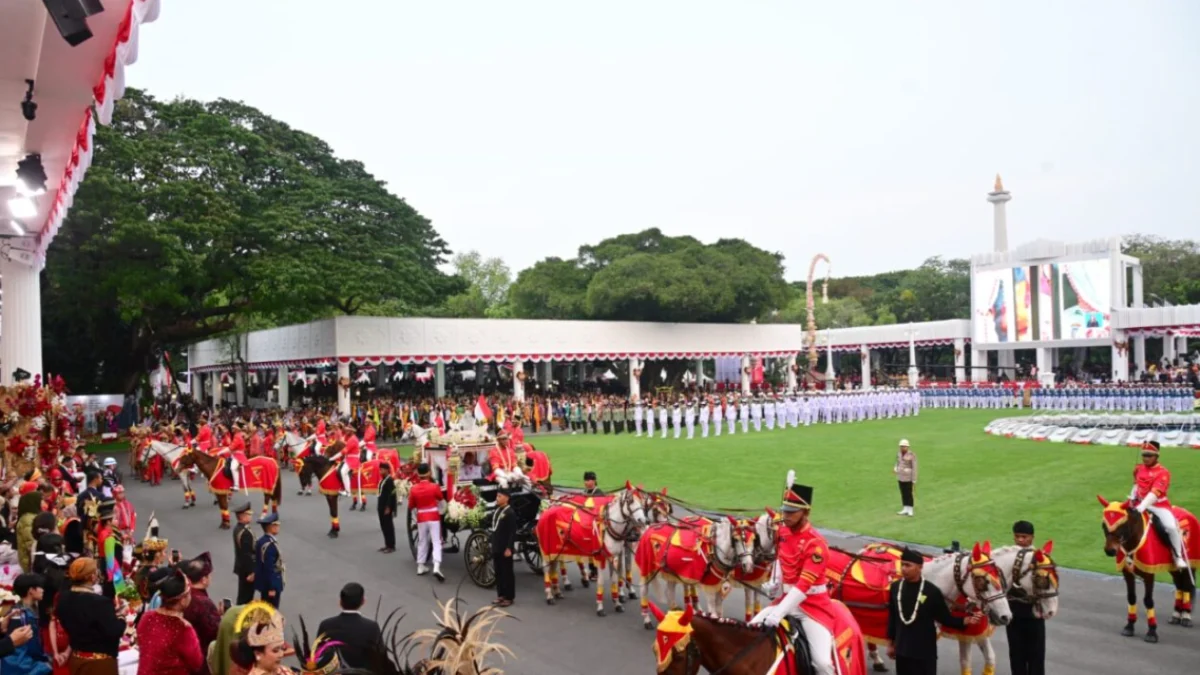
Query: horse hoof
{"points": [[1128, 631], [601, 612], [333, 534], [880, 668], [300, 493], [568, 587], [224, 526], [619, 609], [632, 595], [648, 625], [1186, 623], [549, 601], [1174, 621], [584, 583], [1152, 638]]}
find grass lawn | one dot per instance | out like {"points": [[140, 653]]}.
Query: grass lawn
{"points": [[970, 486]]}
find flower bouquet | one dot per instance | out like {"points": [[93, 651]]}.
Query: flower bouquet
{"points": [[466, 509]]}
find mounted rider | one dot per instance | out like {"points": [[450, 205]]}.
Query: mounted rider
{"points": [[229, 452], [349, 455], [801, 568], [1151, 481]]}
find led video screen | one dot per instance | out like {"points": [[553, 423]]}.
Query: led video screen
{"points": [[1085, 299], [995, 318]]}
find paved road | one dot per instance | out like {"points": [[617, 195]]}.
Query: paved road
{"points": [[569, 638]]}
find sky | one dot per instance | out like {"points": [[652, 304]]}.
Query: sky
{"points": [[868, 131]]}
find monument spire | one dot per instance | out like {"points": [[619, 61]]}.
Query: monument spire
{"points": [[998, 198]]}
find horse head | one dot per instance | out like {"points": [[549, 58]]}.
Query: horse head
{"points": [[673, 638], [742, 537], [661, 507], [1031, 576], [765, 535], [986, 585], [1122, 531], [1045, 582], [632, 504]]}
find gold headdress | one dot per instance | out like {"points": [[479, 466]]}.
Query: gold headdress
{"points": [[263, 625], [152, 542]]}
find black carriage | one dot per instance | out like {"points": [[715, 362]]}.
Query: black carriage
{"points": [[526, 505]]}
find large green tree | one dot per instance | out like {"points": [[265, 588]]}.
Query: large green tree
{"points": [[650, 276], [197, 219], [1170, 268], [486, 295]]}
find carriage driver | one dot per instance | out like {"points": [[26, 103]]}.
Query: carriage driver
{"points": [[1150, 483], [426, 498], [801, 560]]}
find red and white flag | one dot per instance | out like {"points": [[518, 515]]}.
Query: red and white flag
{"points": [[482, 411]]}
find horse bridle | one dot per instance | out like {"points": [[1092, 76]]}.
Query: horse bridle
{"points": [[624, 503], [1041, 578], [978, 581]]}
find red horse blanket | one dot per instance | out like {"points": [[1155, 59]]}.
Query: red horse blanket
{"points": [[862, 583], [678, 552], [567, 532], [259, 474], [1153, 555], [365, 478]]}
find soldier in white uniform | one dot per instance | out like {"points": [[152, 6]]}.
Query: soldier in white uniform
{"points": [[703, 416], [730, 414], [677, 418], [650, 418], [772, 410], [756, 412], [637, 415], [744, 413], [662, 417], [689, 417]]}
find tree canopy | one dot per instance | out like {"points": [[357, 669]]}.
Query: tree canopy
{"points": [[649, 276], [487, 282], [200, 218]]}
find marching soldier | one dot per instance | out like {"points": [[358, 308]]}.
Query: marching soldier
{"points": [[619, 417], [386, 507], [677, 418], [268, 562], [638, 412], [744, 413], [244, 555], [689, 417], [650, 418], [756, 412], [606, 416], [662, 416], [730, 414]]}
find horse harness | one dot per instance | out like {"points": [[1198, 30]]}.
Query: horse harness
{"points": [[978, 580], [1041, 575]]}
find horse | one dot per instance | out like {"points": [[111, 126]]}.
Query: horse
{"points": [[698, 552], [329, 482], [862, 581], [762, 556], [686, 641], [1142, 551], [593, 532], [171, 454], [260, 474]]}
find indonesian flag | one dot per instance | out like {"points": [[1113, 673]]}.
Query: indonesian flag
{"points": [[482, 411], [441, 423]]}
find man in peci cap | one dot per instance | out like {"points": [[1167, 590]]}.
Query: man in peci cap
{"points": [[426, 499], [1151, 481], [801, 558], [913, 607], [244, 554], [1027, 631], [504, 529]]}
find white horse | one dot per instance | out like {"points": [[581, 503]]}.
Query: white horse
{"points": [[625, 512], [762, 552], [296, 446], [1031, 577], [171, 453]]}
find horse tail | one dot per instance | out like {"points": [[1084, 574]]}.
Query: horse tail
{"points": [[277, 491]]}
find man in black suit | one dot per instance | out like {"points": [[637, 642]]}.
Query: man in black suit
{"points": [[386, 505], [243, 555], [356, 632], [504, 530]]}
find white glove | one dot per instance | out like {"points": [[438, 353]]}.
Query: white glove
{"points": [[1149, 501], [765, 617], [773, 617]]}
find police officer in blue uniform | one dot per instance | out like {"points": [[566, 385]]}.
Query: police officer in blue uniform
{"points": [[268, 562]]}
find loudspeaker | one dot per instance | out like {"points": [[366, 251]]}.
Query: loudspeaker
{"points": [[70, 17]]}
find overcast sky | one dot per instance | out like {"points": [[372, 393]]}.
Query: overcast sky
{"points": [[870, 131]]}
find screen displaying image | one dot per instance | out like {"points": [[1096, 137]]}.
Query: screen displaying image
{"points": [[1086, 299], [1023, 294], [994, 319], [1045, 302]]}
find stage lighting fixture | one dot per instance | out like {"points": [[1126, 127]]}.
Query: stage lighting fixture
{"points": [[28, 107], [31, 176], [70, 17]]}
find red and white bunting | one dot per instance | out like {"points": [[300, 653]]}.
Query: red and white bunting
{"points": [[1186, 330], [108, 88]]}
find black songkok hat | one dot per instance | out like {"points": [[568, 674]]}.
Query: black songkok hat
{"points": [[1023, 527], [911, 556]]}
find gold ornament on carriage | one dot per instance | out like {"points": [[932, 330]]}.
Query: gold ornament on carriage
{"points": [[454, 463]]}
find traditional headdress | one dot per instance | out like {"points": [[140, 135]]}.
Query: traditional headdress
{"points": [[796, 497], [1150, 447], [261, 624], [152, 543], [317, 657]]}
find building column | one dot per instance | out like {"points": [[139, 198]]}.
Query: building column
{"points": [[218, 389], [1045, 359], [1120, 357], [745, 372], [239, 385], [198, 388], [284, 388], [20, 319], [791, 372], [979, 364], [439, 379], [1139, 354], [518, 386], [698, 371], [1181, 345], [960, 361], [830, 371], [635, 380], [547, 376], [581, 371], [864, 355], [343, 393], [913, 374]]}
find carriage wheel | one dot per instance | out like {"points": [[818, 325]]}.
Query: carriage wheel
{"points": [[478, 555], [532, 554], [412, 530]]}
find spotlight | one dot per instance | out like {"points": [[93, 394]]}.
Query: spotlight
{"points": [[28, 107], [31, 176], [21, 207]]}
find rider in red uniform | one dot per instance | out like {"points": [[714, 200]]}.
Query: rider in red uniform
{"points": [[425, 498], [501, 457], [368, 441], [349, 455], [801, 568], [1151, 481]]}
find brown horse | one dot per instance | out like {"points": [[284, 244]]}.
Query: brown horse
{"points": [[313, 467], [207, 464], [1141, 554]]}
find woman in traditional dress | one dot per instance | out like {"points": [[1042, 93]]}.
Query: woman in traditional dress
{"points": [[91, 621], [262, 646], [167, 643]]}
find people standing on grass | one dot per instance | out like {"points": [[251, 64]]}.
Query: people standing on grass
{"points": [[906, 474]]}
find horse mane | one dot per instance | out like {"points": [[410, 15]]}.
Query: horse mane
{"points": [[733, 623]]}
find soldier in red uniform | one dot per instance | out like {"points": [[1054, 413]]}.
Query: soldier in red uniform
{"points": [[204, 439], [349, 456], [426, 498], [801, 569], [1151, 481]]}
